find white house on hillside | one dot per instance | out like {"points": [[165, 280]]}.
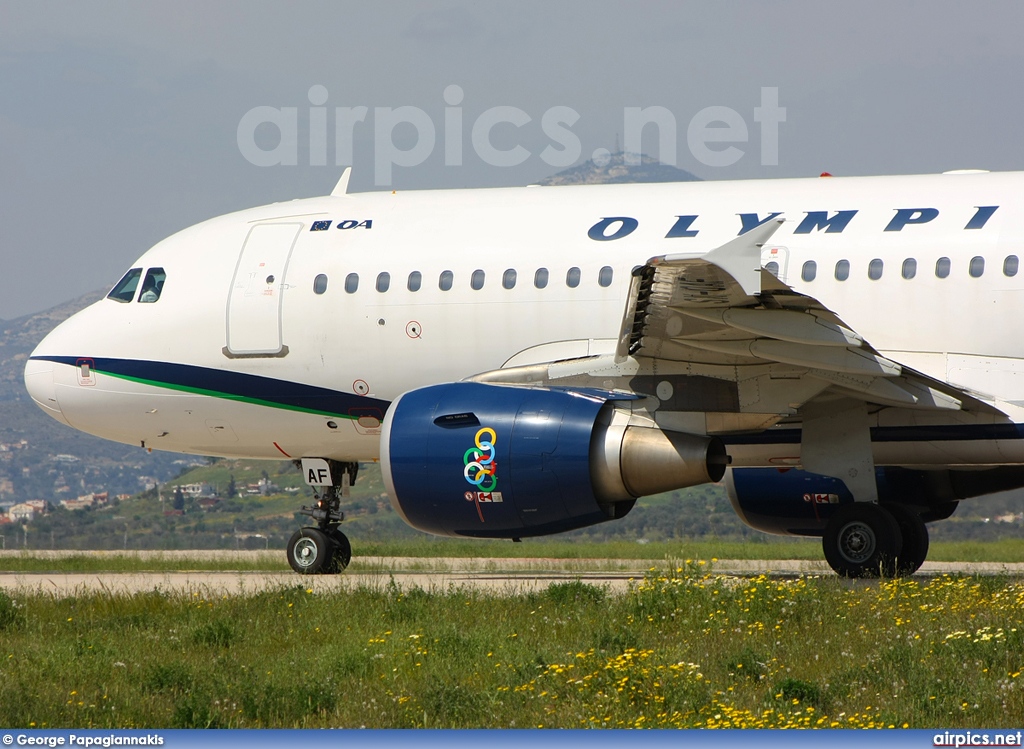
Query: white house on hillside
{"points": [[22, 513]]}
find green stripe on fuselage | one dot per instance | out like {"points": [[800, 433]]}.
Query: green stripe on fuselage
{"points": [[227, 396]]}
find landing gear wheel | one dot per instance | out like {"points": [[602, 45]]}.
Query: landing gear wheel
{"points": [[915, 540], [309, 551], [341, 552], [862, 540]]}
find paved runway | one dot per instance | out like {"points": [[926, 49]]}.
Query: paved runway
{"points": [[496, 575]]}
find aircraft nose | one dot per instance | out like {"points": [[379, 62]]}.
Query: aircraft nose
{"points": [[40, 386]]}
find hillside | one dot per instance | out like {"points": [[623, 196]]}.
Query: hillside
{"points": [[249, 519]]}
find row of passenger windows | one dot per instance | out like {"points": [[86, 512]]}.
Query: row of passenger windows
{"points": [[976, 268], [446, 280]]}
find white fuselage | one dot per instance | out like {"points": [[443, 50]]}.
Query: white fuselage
{"points": [[310, 374]]}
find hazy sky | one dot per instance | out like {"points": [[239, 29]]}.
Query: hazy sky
{"points": [[119, 121]]}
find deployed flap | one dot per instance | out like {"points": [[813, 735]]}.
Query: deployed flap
{"points": [[729, 276], [721, 309], [740, 258]]}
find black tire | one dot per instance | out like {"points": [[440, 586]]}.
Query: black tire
{"points": [[309, 551], [341, 554], [915, 540], [862, 540]]}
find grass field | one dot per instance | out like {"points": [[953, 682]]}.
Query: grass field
{"points": [[683, 648], [32, 561]]}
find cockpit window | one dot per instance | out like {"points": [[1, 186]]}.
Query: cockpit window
{"points": [[153, 285], [124, 291]]}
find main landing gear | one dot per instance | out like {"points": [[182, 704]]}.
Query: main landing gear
{"points": [[864, 539], [324, 549]]}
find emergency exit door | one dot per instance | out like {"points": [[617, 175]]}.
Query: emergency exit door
{"points": [[775, 260]]}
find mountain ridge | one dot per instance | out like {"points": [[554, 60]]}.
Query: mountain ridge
{"points": [[616, 169]]}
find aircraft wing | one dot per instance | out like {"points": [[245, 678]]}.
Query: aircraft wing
{"points": [[714, 332], [696, 307]]}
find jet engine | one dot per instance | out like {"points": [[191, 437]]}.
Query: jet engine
{"points": [[495, 461], [790, 502]]}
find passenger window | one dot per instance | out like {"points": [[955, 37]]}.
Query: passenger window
{"points": [[572, 278], [351, 283], [809, 271], [773, 268], [909, 268], [875, 269], [977, 267], [942, 267], [153, 286], [320, 284], [842, 270], [124, 290], [508, 279], [383, 281], [415, 280], [540, 278], [604, 276], [445, 281], [1010, 265], [477, 280]]}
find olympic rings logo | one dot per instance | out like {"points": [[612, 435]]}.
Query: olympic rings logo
{"points": [[479, 461]]}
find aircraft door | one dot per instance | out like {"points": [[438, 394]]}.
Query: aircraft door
{"points": [[255, 309], [775, 259]]}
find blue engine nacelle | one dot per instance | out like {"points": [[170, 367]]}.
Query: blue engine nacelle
{"points": [[791, 502], [494, 461], [787, 501]]}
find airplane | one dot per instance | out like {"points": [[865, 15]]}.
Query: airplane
{"points": [[846, 353]]}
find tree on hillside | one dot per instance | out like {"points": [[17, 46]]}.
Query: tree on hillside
{"points": [[179, 499], [232, 489]]}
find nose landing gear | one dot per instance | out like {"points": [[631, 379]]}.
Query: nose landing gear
{"points": [[324, 549]]}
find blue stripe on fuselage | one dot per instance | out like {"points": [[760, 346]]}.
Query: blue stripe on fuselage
{"points": [[280, 393], [936, 433]]}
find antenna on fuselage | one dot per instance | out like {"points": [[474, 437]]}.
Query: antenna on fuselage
{"points": [[342, 187]]}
